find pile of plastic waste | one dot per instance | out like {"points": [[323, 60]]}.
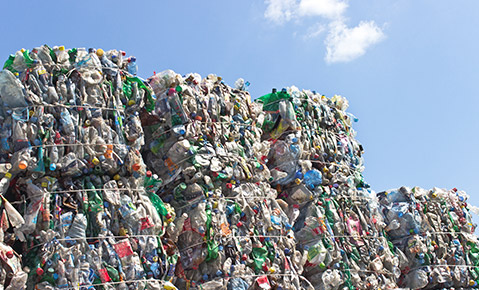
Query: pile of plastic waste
{"points": [[110, 181], [204, 140], [432, 236], [78, 203], [271, 191]]}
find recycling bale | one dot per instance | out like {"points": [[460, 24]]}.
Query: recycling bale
{"points": [[204, 140], [316, 166], [432, 234], [110, 181], [79, 208]]}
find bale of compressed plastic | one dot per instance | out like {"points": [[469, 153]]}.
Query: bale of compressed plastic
{"points": [[316, 164], [432, 232], [78, 204], [181, 182], [204, 141]]}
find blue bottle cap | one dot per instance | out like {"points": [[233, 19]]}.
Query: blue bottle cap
{"points": [[53, 166], [205, 277]]}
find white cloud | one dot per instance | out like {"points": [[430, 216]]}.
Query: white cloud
{"points": [[315, 31], [280, 11], [345, 44], [331, 9]]}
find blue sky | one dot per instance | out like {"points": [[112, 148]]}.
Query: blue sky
{"points": [[410, 69]]}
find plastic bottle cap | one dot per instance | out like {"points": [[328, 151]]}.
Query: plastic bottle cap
{"points": [[23, 165], [39, 271], [95, 161], [9, 254], [116, 177], [61, 48], [148, 173], [136, 167], [100, 52], [131, 102], [53, 166]]}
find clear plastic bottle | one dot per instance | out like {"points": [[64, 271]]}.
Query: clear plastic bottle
{"points": [[78, 228], [36, 196], [67, 122], [132, 67], [62, 56]]}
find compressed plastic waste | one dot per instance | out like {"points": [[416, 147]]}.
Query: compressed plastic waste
{"points": [[79, 204], [432, 233], [110, 181]]}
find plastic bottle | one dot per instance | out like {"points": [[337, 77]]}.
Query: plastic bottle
{"points": [[62, 56], [67, 122], [178, 114], [9, 63], [132, 67], [78, 228], [294, 214], [4, 168], [19, 64], [108, 65], [36, 196]]}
